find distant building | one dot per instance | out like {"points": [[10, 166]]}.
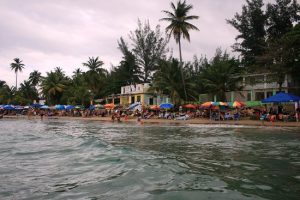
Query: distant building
{"points": [[256, 87], [140, 93]]}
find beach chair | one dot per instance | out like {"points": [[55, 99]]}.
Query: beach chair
{"points": [[227, 116]]}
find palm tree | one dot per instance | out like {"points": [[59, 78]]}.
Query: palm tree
{"points": [[179, 25], [17, 66], [94, 64], [221, 75], [167, 80], [95, 75], [28, 91], [53, 86], [35, 77]]}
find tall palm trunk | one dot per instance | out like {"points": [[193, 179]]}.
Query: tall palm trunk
{"points": [[16, 80], [181, 69]]}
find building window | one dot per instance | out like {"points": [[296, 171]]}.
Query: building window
{"points": [[259, 96], [138, 98], [132, 99], [150, 101], [249, 94]]}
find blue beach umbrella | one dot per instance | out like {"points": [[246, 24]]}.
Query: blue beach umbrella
{"points": [[8, 107], [70, 107], [132, 106], [59, 107], [92, 107], [44, 107], [19, 107], [36, 105], [166, 106]]}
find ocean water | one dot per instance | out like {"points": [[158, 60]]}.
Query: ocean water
{"points": [[60, 159]]}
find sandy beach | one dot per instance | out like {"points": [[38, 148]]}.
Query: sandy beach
{"points": [[246, 122]]}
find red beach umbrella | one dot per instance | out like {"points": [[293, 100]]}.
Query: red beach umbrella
{"points": [[155, 107]]}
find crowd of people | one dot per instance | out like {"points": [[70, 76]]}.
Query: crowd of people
{"points": [[262, 113]]}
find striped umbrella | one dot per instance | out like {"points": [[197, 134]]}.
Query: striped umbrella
{"points": [[236, 104], [207, 104]]}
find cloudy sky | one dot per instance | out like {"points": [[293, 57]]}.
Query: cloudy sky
{"points": [[46, 34]]}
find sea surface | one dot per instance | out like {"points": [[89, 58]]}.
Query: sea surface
{"points": [[60, 159]]}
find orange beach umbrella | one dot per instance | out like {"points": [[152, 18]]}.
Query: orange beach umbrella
{"points": [[109, 106], [189, 106], [155, 107]]}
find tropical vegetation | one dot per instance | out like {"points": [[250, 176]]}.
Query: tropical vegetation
{"points": [[268, 41]]}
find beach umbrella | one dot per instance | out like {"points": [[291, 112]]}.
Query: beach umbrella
{"points": [[252, 103], [59, 107], [166, 106], [70, 107], [109, 106], [92, 107], [8, 107], [236, 104], [36, 105], [99, 106], [154, 107], [19, 107], [207, 104], [219, 103], [79, 107], [132, 106], [44, 107], [191, 106]]}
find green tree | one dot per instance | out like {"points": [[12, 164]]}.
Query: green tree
{"points": [[282, 56], [180, 26], [17, 66], [28, 92], [221, 75], [78, 91], [53, 85], [35, 77], [281, 16], [149, 46], [251, 40], [167, 80], [96, 75]]}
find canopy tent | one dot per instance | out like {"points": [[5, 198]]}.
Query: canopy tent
{"points": [[281, 97]]}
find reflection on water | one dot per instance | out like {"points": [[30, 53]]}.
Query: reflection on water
{"points": [[54, 159]]}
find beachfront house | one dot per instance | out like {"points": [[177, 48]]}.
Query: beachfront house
{"points": [[140, 93], [256, 87]]}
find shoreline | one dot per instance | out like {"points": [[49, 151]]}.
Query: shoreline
{"points": [[245, 122]]}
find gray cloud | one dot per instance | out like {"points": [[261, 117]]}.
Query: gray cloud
{"points": [[46, 34]]}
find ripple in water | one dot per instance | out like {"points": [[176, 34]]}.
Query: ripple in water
{"points": [[56, 159]]}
